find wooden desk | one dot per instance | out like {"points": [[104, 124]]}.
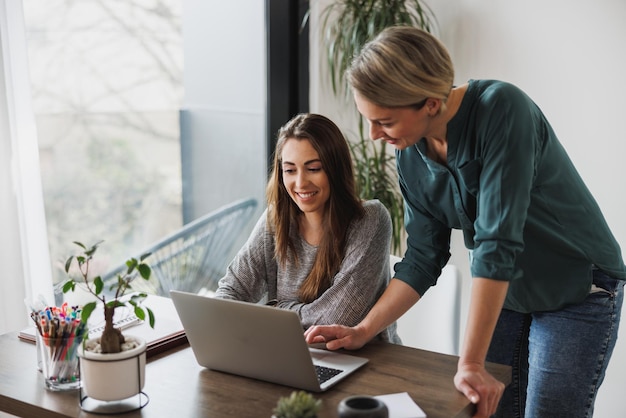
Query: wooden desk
{"points": [[178, 387]]}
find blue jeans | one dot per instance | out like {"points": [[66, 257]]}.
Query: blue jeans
{"points": [[558, 358]]}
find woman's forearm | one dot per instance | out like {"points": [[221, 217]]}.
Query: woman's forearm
{"points": [[393, 303], [486, 302]]}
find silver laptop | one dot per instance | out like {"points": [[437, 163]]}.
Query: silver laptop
{"points": [[258, 341]]}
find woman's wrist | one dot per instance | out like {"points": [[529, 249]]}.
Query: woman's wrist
{"points": [[366, 331], [470, 362]]}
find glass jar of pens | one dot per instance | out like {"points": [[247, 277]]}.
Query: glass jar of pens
{"points": [[59, 335]]}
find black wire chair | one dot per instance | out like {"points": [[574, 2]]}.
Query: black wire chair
{"points": [[195, 257]]}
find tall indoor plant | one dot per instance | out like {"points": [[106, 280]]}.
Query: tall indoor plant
{"points": [[346, 26]]}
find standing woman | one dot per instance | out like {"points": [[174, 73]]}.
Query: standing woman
{"points": [[547, 272], [318, 249]]}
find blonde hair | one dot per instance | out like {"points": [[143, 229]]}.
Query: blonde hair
{"points": [[342, 208], [402, 66]]}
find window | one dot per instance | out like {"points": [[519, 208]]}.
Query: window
{"points": [[106, 79], [134, 139]]}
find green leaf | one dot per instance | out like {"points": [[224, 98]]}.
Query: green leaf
{"points": [[131, 264], [144, 271], [80, 245], [86, 311], [69, 285], [139, 313], [151, 319], [112, 286], [144, 256], [138, 297], [99, 284], [68, 264], [116, 303]]}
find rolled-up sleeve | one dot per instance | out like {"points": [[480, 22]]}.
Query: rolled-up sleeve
{"points": [[428, 243], [508, 144]]}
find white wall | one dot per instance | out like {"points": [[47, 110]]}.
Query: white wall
{"points": [[568, 55]]}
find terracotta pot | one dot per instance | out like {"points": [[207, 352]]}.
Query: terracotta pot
{"points": [[112, 377]]}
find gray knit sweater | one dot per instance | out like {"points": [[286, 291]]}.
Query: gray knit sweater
{"points": [[254, 275]]}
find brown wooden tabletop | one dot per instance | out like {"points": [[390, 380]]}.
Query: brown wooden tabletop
{"points": [[178, 387]]}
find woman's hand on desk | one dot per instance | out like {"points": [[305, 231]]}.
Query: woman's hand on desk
{"points": [[480, 387], [337, 336], [395, 301]]}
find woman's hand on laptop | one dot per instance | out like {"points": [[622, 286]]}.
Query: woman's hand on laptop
{"points": [[337, 336]]}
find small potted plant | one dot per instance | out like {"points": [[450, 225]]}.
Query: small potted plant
{"points": [[299, 404], [108, 370]]}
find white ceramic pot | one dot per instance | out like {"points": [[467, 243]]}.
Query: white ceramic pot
{"points": [[113, 377]]}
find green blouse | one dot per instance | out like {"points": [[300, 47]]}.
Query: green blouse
{"points": [[525, 212]]}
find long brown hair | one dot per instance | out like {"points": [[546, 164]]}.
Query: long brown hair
{"points": [[342, 207]]}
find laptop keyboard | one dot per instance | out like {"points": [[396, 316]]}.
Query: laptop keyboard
{"points": [[325, 373]]}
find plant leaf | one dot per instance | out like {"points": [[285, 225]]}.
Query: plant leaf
{"points": [[138, 298], [144, 271], [68, 263], [139, 313], [99, 284], [131, 264], [151, 319], [86, 311], [69, 285], [144, 256]]}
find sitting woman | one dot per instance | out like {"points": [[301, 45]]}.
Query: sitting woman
{"points": [[317, 250]]}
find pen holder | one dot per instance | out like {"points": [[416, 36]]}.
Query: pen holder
{"points": [[362, 406], [59, 361]]}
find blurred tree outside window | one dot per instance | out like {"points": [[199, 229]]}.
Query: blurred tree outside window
{"points": [[106, 79]]}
